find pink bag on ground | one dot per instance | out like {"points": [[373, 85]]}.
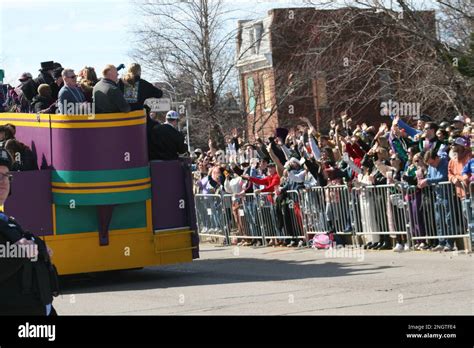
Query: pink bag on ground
{"points": [[322, 241]]}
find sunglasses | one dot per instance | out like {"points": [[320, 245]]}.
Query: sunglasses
{"points": [[71, 77], [8, 177]]}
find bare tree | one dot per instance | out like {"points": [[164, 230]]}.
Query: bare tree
{"points": [[446, 46], [369, 52], [187, 38]]}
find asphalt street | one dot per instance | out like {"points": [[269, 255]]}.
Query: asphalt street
{"points": [[281, 281]]}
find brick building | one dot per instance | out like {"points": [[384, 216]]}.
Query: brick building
{"points": [[290, 65]]}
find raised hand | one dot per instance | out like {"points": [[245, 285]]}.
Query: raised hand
{"points": [[395, 120], [304, 119]]}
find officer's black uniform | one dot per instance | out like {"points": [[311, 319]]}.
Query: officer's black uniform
{"points": [[166, 143], [26, 286]]}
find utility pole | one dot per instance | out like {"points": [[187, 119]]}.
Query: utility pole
{"points": [[188, 113]]}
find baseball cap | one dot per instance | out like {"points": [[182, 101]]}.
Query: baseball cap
{"points": [[25, 76], [172, 115], [459, 118], [290, 161], [461, 141]]}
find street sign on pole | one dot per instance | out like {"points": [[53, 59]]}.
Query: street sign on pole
{"points": [[161, 104]]}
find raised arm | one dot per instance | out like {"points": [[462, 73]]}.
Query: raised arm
{"points": [[279, 166]]}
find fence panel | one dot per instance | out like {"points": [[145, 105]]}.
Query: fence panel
{"points": [[380, 209], [267, 217], [314, 211], [443, 214], [338, 209], [291, 212], [210, 216], [242, 217], [469, 206]]}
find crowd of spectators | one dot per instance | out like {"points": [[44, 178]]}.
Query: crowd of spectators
{"points": [[418, 155]]}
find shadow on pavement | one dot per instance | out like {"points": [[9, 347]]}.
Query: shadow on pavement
{"points": [[212, 271]]}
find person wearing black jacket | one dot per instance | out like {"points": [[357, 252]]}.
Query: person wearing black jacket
{"points": [[46, 74], [167, 143], [28, 89], [43, 100], [136, 90], [107, 96], [28, 280], [23, 157]]}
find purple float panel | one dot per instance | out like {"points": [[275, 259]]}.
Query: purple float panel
{"points": [[31, 201], [39, 141], [191, 208], [99, 148], [168, 195]]}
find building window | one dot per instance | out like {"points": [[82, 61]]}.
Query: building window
{"points": [[251, 95], [258, 29], [251, 41], [267, 92]]}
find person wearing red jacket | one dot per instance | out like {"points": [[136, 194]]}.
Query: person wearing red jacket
{"points": [[270, 182]]}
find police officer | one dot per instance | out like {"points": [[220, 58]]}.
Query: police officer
{"points": [[28, 280], [166, 141]]}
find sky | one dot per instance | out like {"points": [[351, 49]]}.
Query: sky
{"points": [[80, 33], [74, 33]]}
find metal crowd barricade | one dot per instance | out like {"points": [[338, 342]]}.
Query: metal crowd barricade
{"points": [[314, 211], [327, 209], [338, 217], [444, 214], [380, 209], [470, 211], [291, 215], [241, 214], [434, 212], [267, 215], [413, 197], [251, 217], [210, 216]]}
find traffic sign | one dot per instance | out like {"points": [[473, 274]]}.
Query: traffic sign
{"points": [[159, 104]]}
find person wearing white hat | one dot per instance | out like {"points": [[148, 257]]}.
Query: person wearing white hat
{"points": [[167, 142], [458, 122]]}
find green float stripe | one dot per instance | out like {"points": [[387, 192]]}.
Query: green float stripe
{"points": [[84, 218], [102, 198], [90, 176]]}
